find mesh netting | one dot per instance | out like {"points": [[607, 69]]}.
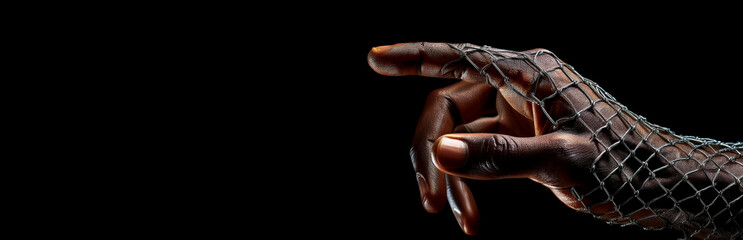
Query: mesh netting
{"points": [[645, 174]]}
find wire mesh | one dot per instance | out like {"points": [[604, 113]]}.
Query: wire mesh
{"points": [[644, 174]]}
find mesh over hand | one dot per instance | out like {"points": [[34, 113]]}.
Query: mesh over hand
{"points": [[644, 174]]}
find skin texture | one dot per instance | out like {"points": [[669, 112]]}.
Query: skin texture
{"points": [[484, 128]]}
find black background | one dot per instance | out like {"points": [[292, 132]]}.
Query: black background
{"points": [[277, 118], [356, 177]]}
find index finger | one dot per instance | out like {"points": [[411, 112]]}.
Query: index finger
{"points": [[423, 59]]}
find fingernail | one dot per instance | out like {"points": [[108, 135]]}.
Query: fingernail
{"points": [[423, 187], [458, 216], [451, 153], [380, 49]]}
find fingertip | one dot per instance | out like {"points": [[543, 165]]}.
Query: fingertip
{"points": [[432, 204], [374, 59], [469, 227]]}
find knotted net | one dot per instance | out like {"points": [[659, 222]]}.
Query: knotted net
{"points": [[645, 174]]}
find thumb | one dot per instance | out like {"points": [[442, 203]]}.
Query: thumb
{"points": [[495, 156]]}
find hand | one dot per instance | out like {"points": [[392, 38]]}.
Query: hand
{"points": [[463, 108], [561, 130]]}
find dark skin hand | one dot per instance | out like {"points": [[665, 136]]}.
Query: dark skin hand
{"points": [[457, 136]]}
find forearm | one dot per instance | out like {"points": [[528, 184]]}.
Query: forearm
{"points": [[705, 188], [685, 183], [656, 179]]}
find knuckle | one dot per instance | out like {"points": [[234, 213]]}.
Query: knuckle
{"points": [[539, 50], [562, 143], [463, 45], [503, 146], [438, 93], [497, 149], [464, 128], [441, 96], [544, 58]]}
